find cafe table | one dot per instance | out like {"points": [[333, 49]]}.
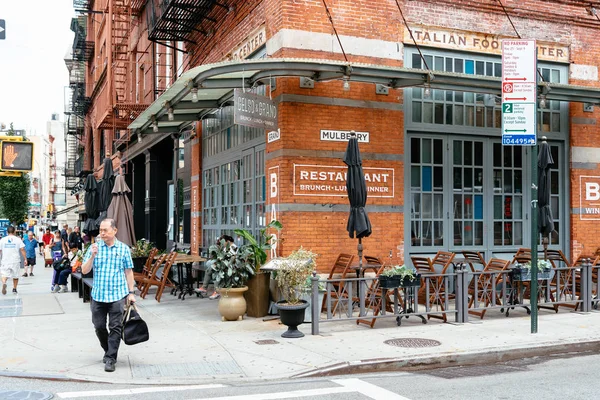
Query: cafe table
{"points": [[185, 285]]}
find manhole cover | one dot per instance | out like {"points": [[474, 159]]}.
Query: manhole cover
{"points": [[24, 394], [412, 342], [266, 341]]}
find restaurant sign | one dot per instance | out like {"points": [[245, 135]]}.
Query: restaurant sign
{"points": [[253, 110], [327, 180], [478, 42], [589, 197]]}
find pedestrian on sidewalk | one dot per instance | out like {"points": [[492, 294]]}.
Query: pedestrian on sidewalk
{"points": [[11, 249], [63, 270], [31, 244], [75, 239], [40, 240], [47, 238], [113, 286]]}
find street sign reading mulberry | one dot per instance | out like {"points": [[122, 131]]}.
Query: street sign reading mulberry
{"points": [[253, 110], [519, 92]]}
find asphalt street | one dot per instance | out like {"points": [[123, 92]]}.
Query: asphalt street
{"points": [[567, 377]]}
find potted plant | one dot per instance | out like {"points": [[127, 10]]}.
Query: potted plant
{"points": [[139, 254], [257, 296], [291, 277], [399, 276], [522, 272], [231, 269]]}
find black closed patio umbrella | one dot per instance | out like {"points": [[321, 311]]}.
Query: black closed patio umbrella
{"points": [[545, 219], [90, 201], [358, 220]]}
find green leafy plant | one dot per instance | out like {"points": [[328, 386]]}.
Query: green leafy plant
{"points": [[401, 271], [259, 247], [81, 253], [142, 248], [230, 267], [293, 272], [543, 265]]}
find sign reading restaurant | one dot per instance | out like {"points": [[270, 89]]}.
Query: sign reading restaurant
{"points": [[326, 180], [253, 110], [589, 197], [478, 42], [343, 136]]}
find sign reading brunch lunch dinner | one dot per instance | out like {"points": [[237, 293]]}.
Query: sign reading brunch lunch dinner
{"points": [[253, 110], [477, 42], [326, 180]]}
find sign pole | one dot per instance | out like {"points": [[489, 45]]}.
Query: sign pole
{"points": [[519, 128], [534, 239]]}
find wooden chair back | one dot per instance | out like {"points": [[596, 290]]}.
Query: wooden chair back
{"points": [[496, 264], [373, 260], [473, 257], [164, 280], [423, 265], [556, 257], [149, 261], [341, 265], [522, 256], [443, 259]]}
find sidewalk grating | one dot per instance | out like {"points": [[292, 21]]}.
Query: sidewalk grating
{"points": [[412, 342], [187, 369]]}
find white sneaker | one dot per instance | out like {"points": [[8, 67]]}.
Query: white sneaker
{"points": [[56, 289], [64, 289]]}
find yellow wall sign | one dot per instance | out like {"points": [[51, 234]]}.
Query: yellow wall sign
{"points": [[477, 42]]}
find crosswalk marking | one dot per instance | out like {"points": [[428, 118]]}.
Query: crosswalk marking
{"points": [[285, 395], [119, 392], [368, 389]]}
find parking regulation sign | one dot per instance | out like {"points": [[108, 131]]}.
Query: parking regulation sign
{"points": [[2, 29], [519, 92]]}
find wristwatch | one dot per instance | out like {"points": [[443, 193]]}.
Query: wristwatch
{"points": [[132, 292]]}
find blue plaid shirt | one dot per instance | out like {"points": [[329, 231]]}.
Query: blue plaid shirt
{"points": [[109, 267]]}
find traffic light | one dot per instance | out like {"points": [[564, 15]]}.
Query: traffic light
{"points": [[48, 214], [16, 156]]}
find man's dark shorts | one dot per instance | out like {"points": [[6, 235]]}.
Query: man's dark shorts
{"points": [[31, 261]]}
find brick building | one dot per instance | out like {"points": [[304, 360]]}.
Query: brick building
{"points": [[438, 174]]}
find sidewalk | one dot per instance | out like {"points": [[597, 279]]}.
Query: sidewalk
{"points": [[54, 337]]}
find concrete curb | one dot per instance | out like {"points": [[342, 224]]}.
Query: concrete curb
{"points": [[431, 362]]}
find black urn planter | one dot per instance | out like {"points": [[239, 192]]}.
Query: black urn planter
{"points": [[138, 263], [292, 316]]}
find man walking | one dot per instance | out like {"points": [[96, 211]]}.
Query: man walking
{"points": [[11, 248], [64, 235], [30, 243], [113, 285], [75, 239]]}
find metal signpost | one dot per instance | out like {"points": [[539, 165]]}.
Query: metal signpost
{"points": [[519, 126]]}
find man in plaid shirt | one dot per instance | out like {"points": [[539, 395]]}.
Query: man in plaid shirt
{"points": [[113, 285]]}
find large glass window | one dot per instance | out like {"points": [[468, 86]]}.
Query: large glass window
{"points": [[479, 110]]}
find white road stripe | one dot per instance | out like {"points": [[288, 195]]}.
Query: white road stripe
{"points": [[117, 392], [285, 395], [368, 389]]}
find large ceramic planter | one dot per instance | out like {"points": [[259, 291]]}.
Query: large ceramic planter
{"points": [[257, 296], [232, 304], [138, 263], [292, 316]]}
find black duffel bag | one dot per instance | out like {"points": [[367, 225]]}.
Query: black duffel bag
{"points": [[61, 263], [135, 329]]}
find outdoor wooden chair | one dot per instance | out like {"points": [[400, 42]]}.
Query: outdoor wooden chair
{"points": [[522, 256], [473, 258], [154, 267], [338, 290], [374, 300], [443, 259], [138, 277], [561, 284], [165, 281], [146, 283], [436, 286], [484, 288]]}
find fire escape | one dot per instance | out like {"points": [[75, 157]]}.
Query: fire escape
{"points": [[76, 102]]}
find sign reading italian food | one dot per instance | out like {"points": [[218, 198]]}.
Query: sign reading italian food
{"points": [[589, 197], [478, 42], [326, 180], [253, 110]]}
